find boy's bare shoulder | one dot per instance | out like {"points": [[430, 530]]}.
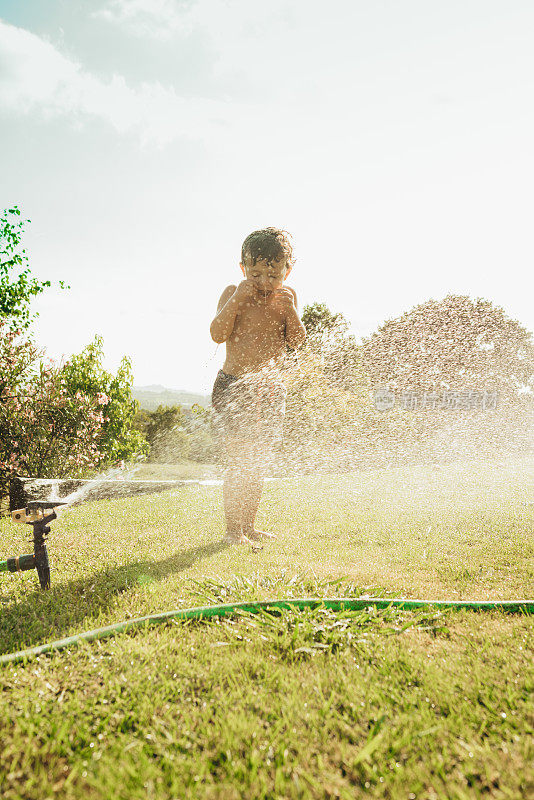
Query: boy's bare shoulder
{"points": [[293, 293], [225, 296]]}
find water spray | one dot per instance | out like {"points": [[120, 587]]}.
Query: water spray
{"points": [[34, 514]]}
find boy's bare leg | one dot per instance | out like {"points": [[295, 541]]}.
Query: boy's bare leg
{"points": [[233, 506], [251, 500], [233, 493], [232, 502]]}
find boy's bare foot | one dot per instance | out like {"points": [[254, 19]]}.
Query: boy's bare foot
{"points": [[236, 537], [257, 535]]}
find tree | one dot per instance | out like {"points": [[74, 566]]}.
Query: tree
{"points": [[458, 344], [84, 373], [166, 435], [199, 430], [141, 421], [178, 433], [16, 293], [321, 323], [328, 395], [329, 338], [323, 420], [455, 343], [45, 430]]}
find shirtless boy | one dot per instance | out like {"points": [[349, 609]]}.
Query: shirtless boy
{"points": [[256, 319]]}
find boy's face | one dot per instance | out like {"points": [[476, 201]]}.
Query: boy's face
{"points": [[266, 277]]}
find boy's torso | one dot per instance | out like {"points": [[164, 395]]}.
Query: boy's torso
{"points": [[258, 338]]}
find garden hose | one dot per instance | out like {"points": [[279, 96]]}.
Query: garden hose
{"points": [[335, 604]]}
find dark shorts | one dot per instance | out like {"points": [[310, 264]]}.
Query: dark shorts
{"points": [[249, 407]]}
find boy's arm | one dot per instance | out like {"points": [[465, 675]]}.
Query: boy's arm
{"points": [[231, 301], [295, 330], [227, 308]]}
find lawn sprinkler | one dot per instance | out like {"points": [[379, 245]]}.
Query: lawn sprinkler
{"points": [[34, 514]]}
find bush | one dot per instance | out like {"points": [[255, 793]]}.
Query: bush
{"points": [[84, 373], [57, 421], [45, 431]]}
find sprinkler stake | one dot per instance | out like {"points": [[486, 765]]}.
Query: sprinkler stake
{"points": [[34, 514]]}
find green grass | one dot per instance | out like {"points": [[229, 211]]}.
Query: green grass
{"points": [[314, 704], [171, 472]]}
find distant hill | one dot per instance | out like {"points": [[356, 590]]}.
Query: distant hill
{"points": [[150, 397]]}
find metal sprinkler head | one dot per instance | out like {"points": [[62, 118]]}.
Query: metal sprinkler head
{"points": [[34, 513]]}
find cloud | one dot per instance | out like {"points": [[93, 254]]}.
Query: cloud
{"points": [[280, 51], [232, 21], [259, 95], [35, 76], [160, 19]]}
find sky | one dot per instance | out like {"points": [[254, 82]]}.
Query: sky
{"points": [[145, 139]]}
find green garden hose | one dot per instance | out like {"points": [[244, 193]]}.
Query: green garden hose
{"points": [[335, 604]]}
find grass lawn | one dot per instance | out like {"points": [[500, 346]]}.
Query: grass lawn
{"points": [[391, 704], [175, 472]]}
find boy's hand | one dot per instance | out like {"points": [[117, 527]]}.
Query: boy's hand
{"points": [[245, 291], [283, 299]]}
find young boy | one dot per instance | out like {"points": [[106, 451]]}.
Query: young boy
{"points": [[256, 320]]}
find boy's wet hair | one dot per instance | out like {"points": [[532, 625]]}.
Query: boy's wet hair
{"points": [[270, 244]]}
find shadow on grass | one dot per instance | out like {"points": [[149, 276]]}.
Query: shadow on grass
{"points": [[46, 615]]}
